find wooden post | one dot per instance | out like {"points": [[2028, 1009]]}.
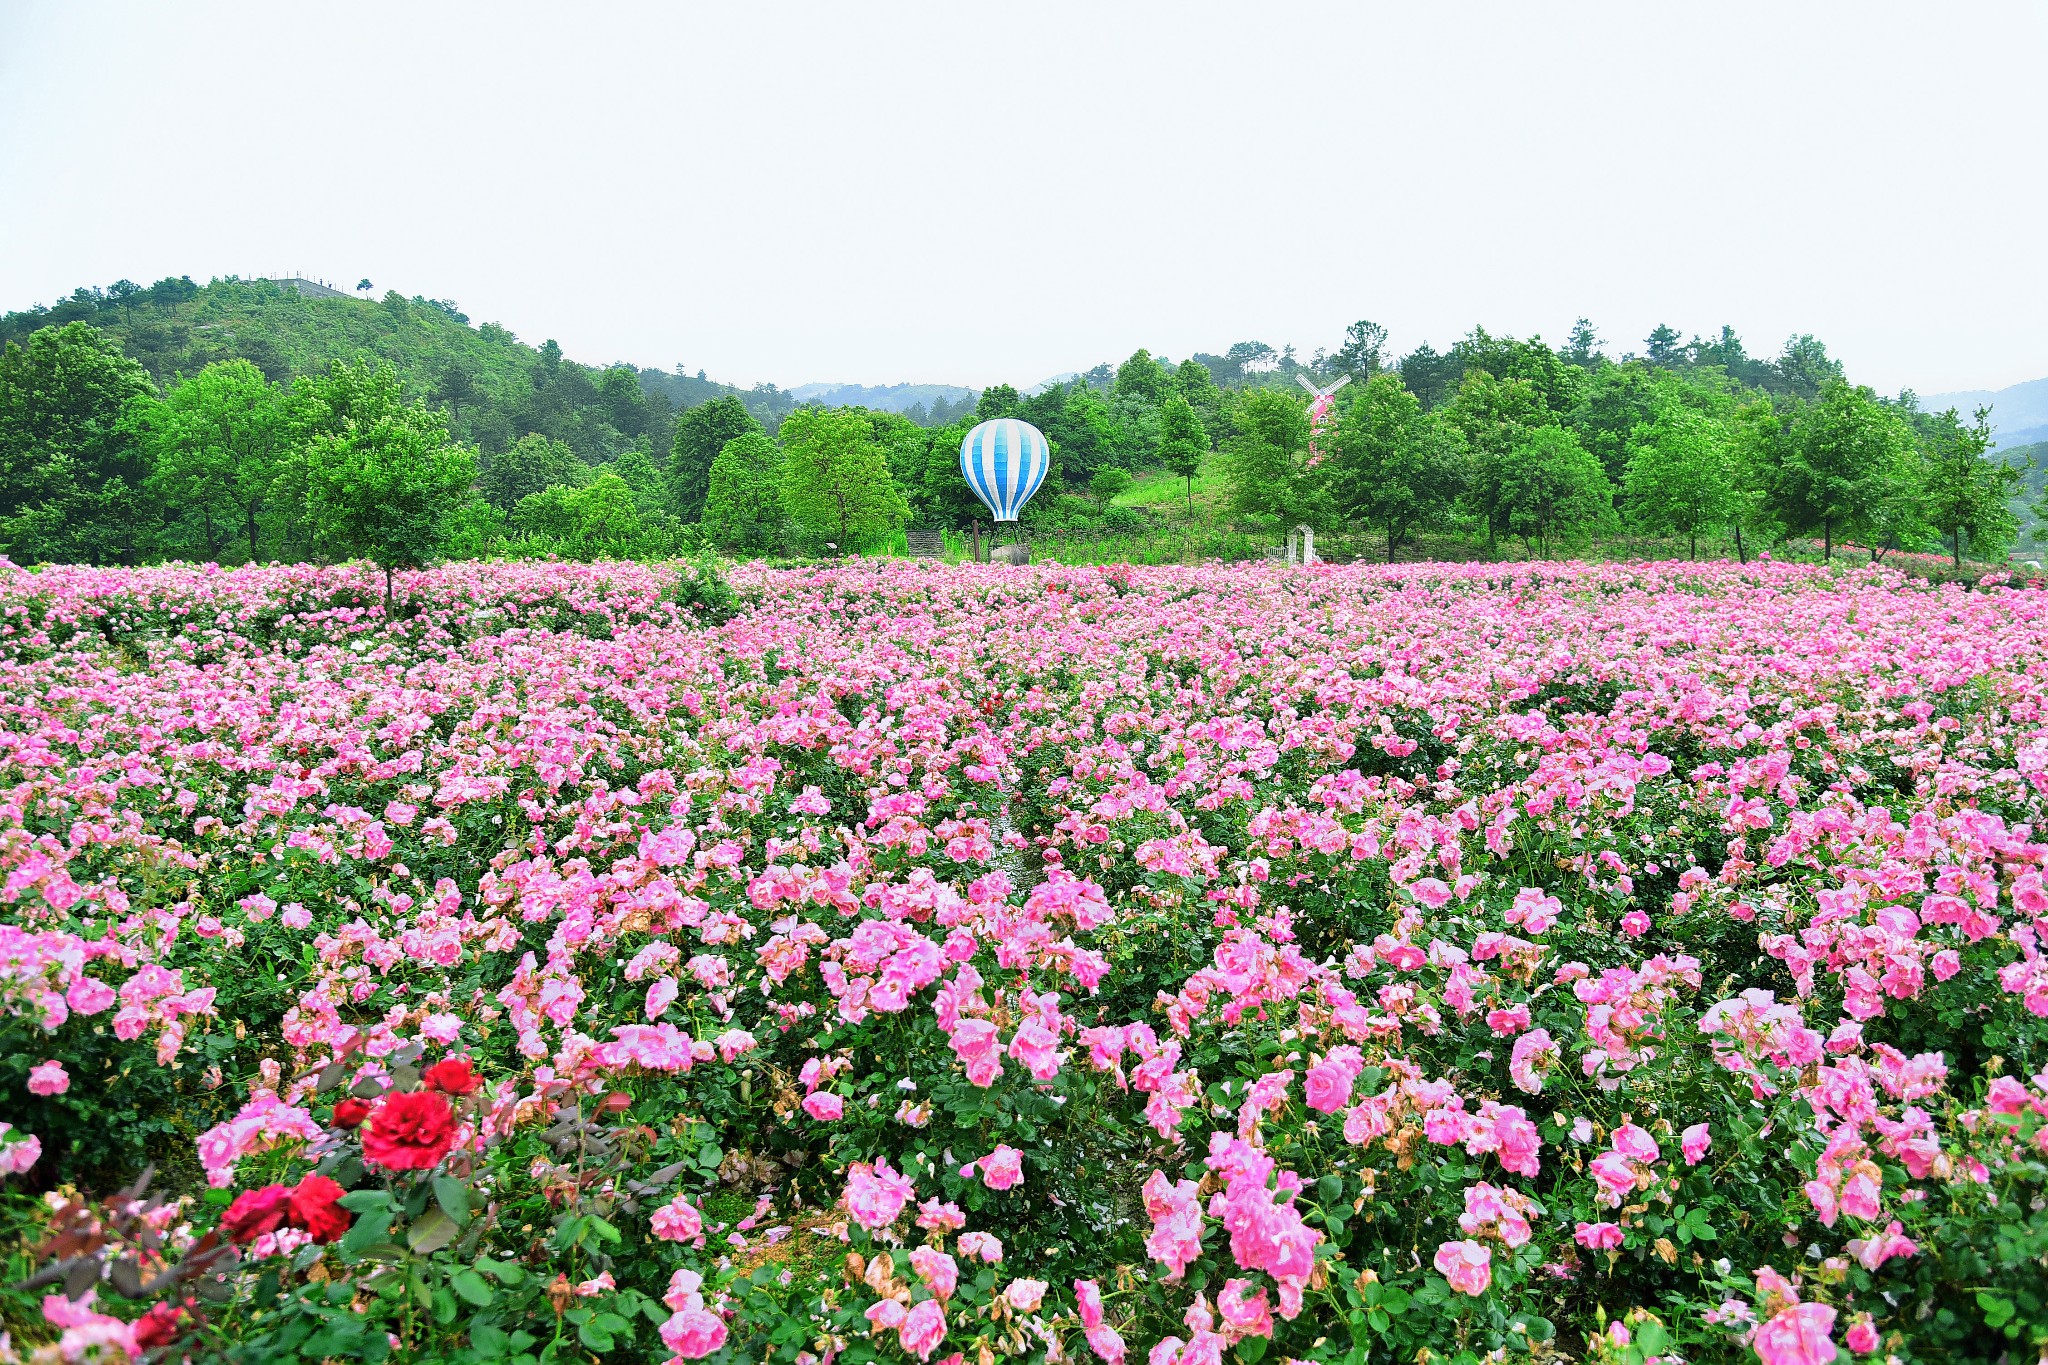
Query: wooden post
{"points": [[974, 552]]}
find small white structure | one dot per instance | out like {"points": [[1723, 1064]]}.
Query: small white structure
{"points": [[1301, 546]]}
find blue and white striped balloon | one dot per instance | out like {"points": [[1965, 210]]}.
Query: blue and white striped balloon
{"points": [[1004, 461]]}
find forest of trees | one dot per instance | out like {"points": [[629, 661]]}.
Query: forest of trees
{"points": [[241, 422]]}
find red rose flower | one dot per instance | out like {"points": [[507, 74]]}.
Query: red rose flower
{"points": [[158, 1327], [451, 1076], [314, 1209], [254, 1213], [409, 1132], [351, 1112]]}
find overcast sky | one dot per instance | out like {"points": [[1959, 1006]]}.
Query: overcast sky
{"points": [[973, 193]]}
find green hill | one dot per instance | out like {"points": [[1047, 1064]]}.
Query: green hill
{"points": [[494, 387], [2033, 460]]}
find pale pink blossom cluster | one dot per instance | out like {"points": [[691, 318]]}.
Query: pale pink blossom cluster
{"points": [[1397, 842]]}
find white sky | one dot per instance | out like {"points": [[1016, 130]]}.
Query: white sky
{"points": [[973, 193]]}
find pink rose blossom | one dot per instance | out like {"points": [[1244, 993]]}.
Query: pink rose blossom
{"points": [[1467, 1265]]}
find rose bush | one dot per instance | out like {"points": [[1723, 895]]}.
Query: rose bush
{"points": [[907, 962]]}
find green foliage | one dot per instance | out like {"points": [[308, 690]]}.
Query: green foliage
{"points": [[1682, 476], [936, 494], [648, 482], [475, 529], [72, 465], [997, 400], [700, 434], [743, 506], [1363, 353], [1183, 441], [835, 482], [601, 520], [1143, 378], [492, 387], [1965, 492], [1550, 486], [1109, 485], [1396, 467], [1494, 417], [381, 476], [1266, 462], [1847, 466], [1616, 400], [1086, 432], [702, 589], [95, 467], [213, 444], [528, 465], [1556, 384]]}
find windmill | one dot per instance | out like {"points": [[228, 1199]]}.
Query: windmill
{"points": [[1322, 396], [1319, 410]]}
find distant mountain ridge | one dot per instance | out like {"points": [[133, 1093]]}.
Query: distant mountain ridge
{"points": [[2019, 412], [883, 398]]}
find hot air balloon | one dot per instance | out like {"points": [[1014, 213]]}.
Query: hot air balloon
{"points": [[1004, 461]]}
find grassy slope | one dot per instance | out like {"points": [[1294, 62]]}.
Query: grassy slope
{"points": [[1166, 492]]}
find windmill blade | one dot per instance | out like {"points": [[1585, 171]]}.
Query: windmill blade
{"points": [[1342, 380], [1308, 384]]}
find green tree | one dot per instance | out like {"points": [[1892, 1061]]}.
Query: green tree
{"points": [[1194, 382], [650, 488], [1183, 441], [997, 400], [1431, 377], [72, 461], [1552, 487], [1495, 417], [1756, 454], [598, 521], [1618, 399], [1083, 432], [700, 434], [1266, 462], [743, 507], [1964, 493], [1363, 353], [528, 465], [1396, 467], [1681, 476], [455, 387], [1250, 357], [213, 445], [1556, 383], [1804, 369], [1143, 378], [1846, 467], [835, 481], [381, 476], [937, 493], [1109, 485], [1663, 346], [1582, 347], [474, 530]]}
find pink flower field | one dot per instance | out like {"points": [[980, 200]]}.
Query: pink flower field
{"points": [[1620, 962]]}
